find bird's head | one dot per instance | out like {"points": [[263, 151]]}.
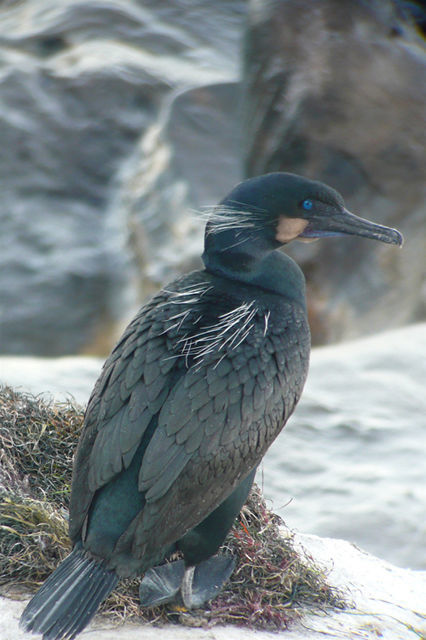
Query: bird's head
{"points": [[263, 213]]}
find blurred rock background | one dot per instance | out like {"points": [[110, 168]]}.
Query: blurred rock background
{"points": [[96, 180], [119, 119], [337, 91]]}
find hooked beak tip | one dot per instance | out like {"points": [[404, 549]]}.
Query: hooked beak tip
{"points": [[401, 240], [346, 223]]}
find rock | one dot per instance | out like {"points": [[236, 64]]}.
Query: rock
{"points": [[185, 161], [350, 462], [60, 378], [388, 603], [336, 91], [119, 118], [80, 84]]}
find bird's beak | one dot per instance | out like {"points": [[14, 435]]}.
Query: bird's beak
{"points": [[346, 223]]}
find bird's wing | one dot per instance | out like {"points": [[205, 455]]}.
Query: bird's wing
{"points": [[130, 391], [213, 428]]}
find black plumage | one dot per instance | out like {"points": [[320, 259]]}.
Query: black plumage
{"points": [[200, 384]]}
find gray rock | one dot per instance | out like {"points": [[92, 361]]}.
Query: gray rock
{"points": [[336, 91], [80, 83], [187, 160], [118, 118]]}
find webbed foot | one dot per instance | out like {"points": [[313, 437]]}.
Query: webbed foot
{"points": [[161, 584], [204, 581], [196, 585]]}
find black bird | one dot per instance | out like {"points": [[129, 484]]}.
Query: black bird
{"points": [[200, 384]]}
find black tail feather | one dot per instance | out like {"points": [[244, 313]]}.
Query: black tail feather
{"points": [[98, 595], [69, 598]]}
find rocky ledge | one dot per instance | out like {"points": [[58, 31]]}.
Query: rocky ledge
{"points": [[387, 603]]}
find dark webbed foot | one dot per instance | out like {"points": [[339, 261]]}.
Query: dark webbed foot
{"points": [[195, 585], [203, 582], [161, 584]]}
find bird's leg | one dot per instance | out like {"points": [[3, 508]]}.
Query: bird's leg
{"points": [[186, 587]]}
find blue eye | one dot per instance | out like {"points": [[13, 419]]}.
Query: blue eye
{"points": [[307, 205]]}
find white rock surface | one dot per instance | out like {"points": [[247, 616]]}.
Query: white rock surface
{"points": [[350, 463], [389, 603], [59, 378]]}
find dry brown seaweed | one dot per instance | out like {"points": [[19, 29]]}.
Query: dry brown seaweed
{"points": [[272, 584]]}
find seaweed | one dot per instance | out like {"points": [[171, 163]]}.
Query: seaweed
{"points": [[274, 581]]}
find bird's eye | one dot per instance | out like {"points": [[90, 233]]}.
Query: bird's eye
{"points": [[307, 204]]}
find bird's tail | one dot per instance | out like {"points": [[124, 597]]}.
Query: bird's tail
{"points": [[69, 598]]}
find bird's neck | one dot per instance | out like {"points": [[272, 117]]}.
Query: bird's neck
{"points": [[273, 271]]}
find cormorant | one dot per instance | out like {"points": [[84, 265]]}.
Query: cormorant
{"points": [[200, 384]]}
